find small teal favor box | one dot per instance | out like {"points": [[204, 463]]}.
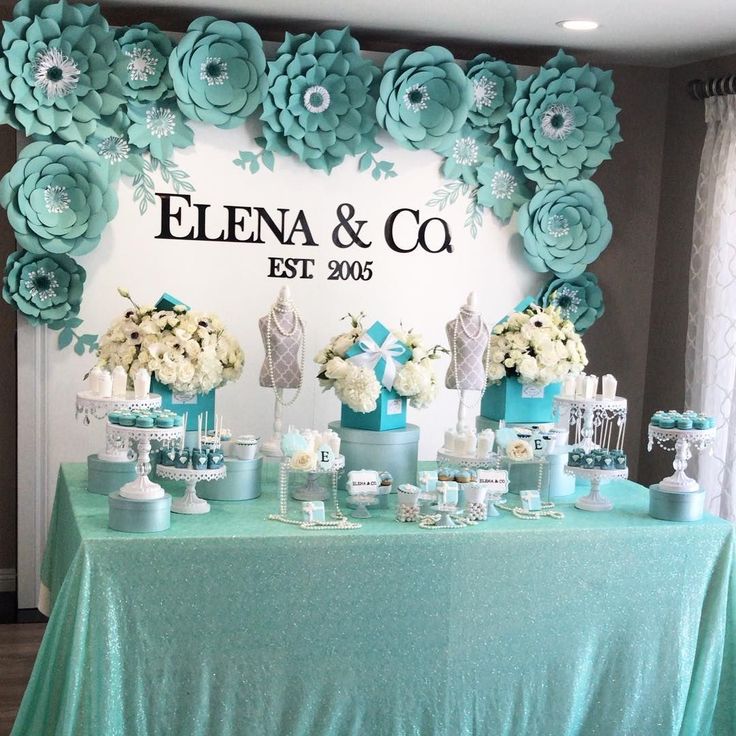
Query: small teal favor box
{"points": [[390, 413], [514, 402], [195, 404]]}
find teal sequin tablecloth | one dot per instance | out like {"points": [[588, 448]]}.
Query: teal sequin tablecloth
{"points": [[610, 624]]}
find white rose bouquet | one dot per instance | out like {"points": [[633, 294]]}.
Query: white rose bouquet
{"points": [[358, 387], [537, 346], [187, 351]]}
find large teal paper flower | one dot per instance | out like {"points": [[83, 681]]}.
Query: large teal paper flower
{"points": [[494, 84], [45, 288], [219, 71], [58, 70], [144, 55], [58, 198], [319, 105], [424, 98], [563, 124], [565, 227], [580, 299], [503, 188], [159, 128], [466, 153]]}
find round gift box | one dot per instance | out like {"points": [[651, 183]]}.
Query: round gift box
{"points": [[132, 515], [394, 450], [105, 477], [242, 483], [676, 505], [560, 483]]}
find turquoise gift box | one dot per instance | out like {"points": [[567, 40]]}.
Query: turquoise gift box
{"points": [[195, 404], [390, 411], [512, 401]]}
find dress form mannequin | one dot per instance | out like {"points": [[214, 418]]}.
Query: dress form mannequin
{"points": [[468, 336], [282, 332]]}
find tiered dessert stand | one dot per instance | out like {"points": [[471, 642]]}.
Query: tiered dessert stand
{"points": [[681, 441], [190, 502], [597, 423]]}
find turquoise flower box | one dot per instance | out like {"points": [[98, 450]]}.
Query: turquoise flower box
{"points": [[195, 404], [512, 402], [390, 413]]}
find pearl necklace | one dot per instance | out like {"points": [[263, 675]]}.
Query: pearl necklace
{"points": [[519, 513], [298, 322], [463, 310], [486, 357]]}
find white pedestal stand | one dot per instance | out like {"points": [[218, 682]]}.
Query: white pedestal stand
{"points": [[190, 502], [681, 440], [594, 501], [142, 488], [594, 420]]}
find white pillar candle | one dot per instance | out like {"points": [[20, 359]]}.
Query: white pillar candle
{"points": [[609, 386], [471, 443], [94, 380], [119, 382], [580, 385], [450, 437], [485, 444], [105, 384], [142, 383], [568, 387]]}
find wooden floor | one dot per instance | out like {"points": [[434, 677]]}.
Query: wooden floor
{"points": [[18, 646]]}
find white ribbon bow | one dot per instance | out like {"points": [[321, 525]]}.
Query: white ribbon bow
{"points": [[390, 349]]}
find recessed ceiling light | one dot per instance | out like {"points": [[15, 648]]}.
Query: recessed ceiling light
{"points": [[578, 25]]}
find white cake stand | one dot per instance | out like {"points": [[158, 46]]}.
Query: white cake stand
{"points": [[594, 501], [594, 420], [681, 440], [142, 488], [190, 502]]}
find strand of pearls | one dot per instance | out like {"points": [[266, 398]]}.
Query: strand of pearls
{"points": [[486, 358], [520, 513], [431, 522], [298, 323]]}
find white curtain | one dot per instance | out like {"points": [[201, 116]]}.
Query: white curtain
{"points": [[711, 335]]}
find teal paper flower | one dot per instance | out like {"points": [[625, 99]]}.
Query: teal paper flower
{"points": [[45, 288], [563, 124], [424, 98], [503, 188], [159, 128], [219, 71], [319, 105], [494, 84], [466, 153], [144, 57], [565, 227], [58, 198], [120, 156], [57, 70], [580, 299]]}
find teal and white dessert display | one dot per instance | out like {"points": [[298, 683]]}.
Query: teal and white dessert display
{"points": [[679, 497], [190, 502]]}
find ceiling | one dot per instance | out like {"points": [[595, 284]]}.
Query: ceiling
{"points": [[657, 32]]}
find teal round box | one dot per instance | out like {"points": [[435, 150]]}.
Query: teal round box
{"points": [[105, 477], [242, 482], [130, 515], [395, 450], [676, 505]]}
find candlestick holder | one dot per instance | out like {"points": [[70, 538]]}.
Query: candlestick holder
{"points": [[190, 502], [142, 488], [681, 441], [594, 500]]}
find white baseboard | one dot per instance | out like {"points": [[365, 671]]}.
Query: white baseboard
{"points": [[7, 580]]}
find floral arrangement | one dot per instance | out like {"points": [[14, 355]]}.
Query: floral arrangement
{"points": [[537, 346], [519, 450], [358, 386], [185, 350]]}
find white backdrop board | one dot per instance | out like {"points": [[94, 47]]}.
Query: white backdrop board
{"points": [[419, 289]]}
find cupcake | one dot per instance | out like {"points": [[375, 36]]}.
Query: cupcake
{"points": [[386, 480]]}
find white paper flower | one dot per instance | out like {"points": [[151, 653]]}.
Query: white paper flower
{"points": [[303, 460], [519, 450]]}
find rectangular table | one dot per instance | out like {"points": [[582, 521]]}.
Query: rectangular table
{"points": [[229, 624]]}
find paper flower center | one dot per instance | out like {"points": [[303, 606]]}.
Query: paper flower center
{"points": [[56, 199], [416, 98], [484, 91], [41, 284], [558, 121], [503, 185], [465, 151], [114, 149], [56, 74], [557, 226], [213, 71], [142, 64], [316, 99], [160, 122], [567, 299]]}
